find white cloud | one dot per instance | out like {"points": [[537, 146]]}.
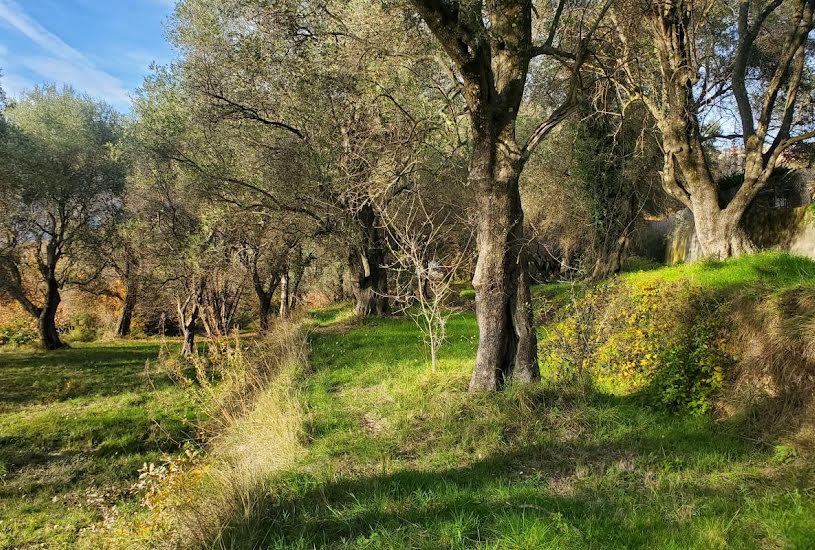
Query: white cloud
{"points": [[14, 85], [63, 63]]}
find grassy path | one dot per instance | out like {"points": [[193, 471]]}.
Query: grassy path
{"points": [[400, 457]]}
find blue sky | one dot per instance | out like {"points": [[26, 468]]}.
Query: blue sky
{"points": [[103, 47]]}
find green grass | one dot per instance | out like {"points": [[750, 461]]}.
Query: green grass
{"points": [[401, 457], [774, 270], [75, 427], [397, 456], [333, 314]]}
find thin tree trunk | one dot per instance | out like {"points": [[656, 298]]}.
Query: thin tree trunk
{"points": [[188, 314], [297, 278], [284, 295], [188, 329], [47, 320]]}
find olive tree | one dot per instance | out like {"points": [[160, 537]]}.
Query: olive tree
{"points": [[493, 46], [64, 183], [691, 60]]}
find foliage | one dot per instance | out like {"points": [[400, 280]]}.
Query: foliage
{"points": [[18, 331], [85, 327], [664, 333]]}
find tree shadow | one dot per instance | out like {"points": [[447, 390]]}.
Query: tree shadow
{"points": [[46, 377], [572, 490]]}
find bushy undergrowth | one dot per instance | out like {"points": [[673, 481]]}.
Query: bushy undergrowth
{"points": [[85, 327], [677, 335], [662, 339], [18, 331]]}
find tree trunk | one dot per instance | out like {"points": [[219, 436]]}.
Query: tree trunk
{"points": [[126, 316], [369, 284], [284, 296], [264, 293], [507, 346], [297, 278], [265, 303], [720, 231], [368, 276], [188, 330], [47, 320], [188, 313], [610, 259]]}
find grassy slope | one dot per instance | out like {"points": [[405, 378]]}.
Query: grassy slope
{"points": [[769, 270], [400, 457], [75, 427]]}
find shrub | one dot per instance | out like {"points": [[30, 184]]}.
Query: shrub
{"points": [[660, 339], [18, 331], [691, 371], [86, 327]]}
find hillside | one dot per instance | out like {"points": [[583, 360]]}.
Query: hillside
{"points": [[397, 456]]}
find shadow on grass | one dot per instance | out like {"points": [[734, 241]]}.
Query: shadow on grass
{"points": [[486, 502], [42, 377], [596, 489]]}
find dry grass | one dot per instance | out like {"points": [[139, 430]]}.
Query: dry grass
{"points": [[774, 383], [253, 428]]}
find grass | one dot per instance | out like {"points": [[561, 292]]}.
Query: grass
{"points": [[399, 457], [392, 455], [75, 427], [775, 270]]}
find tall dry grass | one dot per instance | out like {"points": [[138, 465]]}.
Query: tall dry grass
{"points": [[773, 389], [253, 427]]}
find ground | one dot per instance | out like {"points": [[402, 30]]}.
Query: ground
{"points": [[399, 456], [402, 458], [76, 426]]}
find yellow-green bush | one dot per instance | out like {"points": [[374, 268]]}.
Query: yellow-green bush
{"points": [[661, 339], [85, 327], [17, 331]]}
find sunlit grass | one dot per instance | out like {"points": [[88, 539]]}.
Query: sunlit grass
{"points": [[75, 427], [393, 455], [773, 269], [400, 457]]}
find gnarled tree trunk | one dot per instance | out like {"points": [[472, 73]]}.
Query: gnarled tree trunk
{"points": [[610, 259], [368, 276], [507, 346], [720, 231], [687, 173], [47, 318]]}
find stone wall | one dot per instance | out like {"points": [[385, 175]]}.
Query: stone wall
{"points": [[789, 229]]}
